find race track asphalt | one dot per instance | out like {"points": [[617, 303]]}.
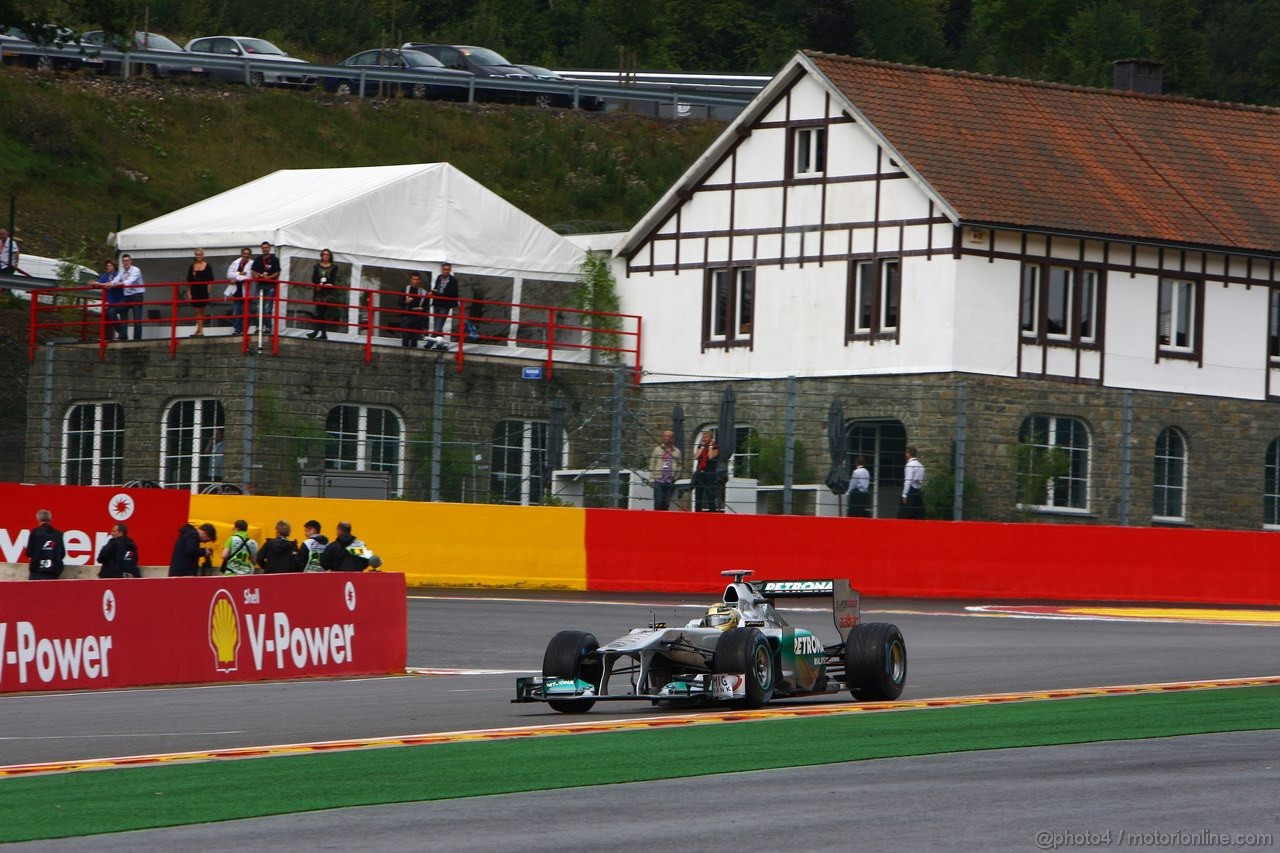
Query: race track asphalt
{"points": [[1147, 794], [949, 654]]}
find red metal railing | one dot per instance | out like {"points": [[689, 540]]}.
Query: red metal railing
{"points": [[468, 326]]}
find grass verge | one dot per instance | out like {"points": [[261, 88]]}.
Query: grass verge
{"points": [[117, 800]]}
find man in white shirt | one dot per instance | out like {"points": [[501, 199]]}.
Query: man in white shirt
{"points": [[10, 252], [130, 280], [859, 493], [240, 275], [912, 487]]}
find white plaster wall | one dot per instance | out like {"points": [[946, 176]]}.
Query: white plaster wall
{"points": [[986, 314], [763, 156], [808, 99]]}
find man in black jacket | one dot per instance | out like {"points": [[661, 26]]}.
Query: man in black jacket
{"points": [[444, 295], [189, 550], [46, 549], [277, 556], [119, 557], [347, 553]]}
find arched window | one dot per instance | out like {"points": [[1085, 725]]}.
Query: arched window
{"points": [[1169, 493], [1271, 490], [365, 438], [1053, 463], [93, 445], [192, 453]]}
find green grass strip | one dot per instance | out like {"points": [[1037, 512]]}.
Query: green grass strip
{"points": [[136, 798]]}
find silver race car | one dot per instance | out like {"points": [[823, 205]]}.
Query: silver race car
{"points": [[741, 651]]}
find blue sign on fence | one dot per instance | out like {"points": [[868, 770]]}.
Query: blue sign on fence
{"points": [[531, 373]]}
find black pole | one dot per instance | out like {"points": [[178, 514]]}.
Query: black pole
{"points": [[13, 216]]}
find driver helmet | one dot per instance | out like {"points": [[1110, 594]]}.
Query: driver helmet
{"points": [[721, 616]]}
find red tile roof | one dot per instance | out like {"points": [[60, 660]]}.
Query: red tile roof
{"points": [[1066, 158]]}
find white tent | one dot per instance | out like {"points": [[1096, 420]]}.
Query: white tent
{"points": [[386, 216]]}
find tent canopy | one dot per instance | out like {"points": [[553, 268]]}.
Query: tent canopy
{"points": [[384, 215]]}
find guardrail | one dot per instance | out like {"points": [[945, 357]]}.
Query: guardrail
{"points": [[576, 89], [368, 317]]}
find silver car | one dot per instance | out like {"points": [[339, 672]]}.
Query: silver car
{"points": [[259, 50], [741, 651], [150, 42]]}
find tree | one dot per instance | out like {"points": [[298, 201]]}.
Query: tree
{"points": [[1177, 41]]}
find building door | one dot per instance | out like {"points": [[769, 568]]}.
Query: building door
{"points": [[881, 444]]}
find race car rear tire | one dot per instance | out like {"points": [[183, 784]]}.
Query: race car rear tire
{"points": [[745, 650], [572, 655], [875, 661]]}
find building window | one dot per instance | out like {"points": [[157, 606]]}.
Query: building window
{"points": [[516, 462], [192, 454], [1069, 296], [1168, 499], [810, 148], [1273, 327], [365, 438], [93, 445], [731, 304], [1053, 463], [1271, 490], [1179, 316], [875, 297]]}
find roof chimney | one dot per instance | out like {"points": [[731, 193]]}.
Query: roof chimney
{"points": [[1139, 75]]}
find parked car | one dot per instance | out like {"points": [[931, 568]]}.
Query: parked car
{"points": [[151, 42], [58, 37], [245, 47], [558, 99], [485, 64], [398, 60]]}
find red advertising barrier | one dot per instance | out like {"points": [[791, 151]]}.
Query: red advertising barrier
{"points": [[685, 552], [58, 635], [86, 514]]}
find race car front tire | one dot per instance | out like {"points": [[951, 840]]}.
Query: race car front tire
{"points": [[875, 661], [745, 650], [571, 655]]}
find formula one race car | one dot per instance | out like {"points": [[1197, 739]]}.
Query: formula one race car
{"points": [[741, 651]]}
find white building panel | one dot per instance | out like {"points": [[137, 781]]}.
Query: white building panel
{"points": [[851, 150], [809, 100], [804, 205], [717, 250], [851, 202], [763, 155], [1060, 361], [744, 249], [778, 112], [722, 174], [1235, 339], [902, 199], [705, 211], [769, 246], [1091, 364], [664, 252], [693, 251], [986, 309], [758, 208]]}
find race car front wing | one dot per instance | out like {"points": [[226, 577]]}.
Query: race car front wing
{"points": [[708, 688]]}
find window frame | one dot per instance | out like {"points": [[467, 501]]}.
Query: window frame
{"points": [[369, 446], [878, 326], [1195, 328], [197, 461], [807, 147], [532, 452], [746, 449], [96, 460], [1271, 487], [1273, 327], [1083, 303], [1080, 459], [738, 325], [1163, 462]]}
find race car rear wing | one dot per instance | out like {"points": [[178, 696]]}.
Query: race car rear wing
{"points": [[845, 601]]}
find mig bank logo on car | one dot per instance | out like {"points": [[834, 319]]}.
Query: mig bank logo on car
{"points": [[121, 507], [224, 631]]}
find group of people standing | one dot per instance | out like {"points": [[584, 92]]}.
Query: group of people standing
{"points": [[242, 555], [47, 552], [421, 303], [666, 467]]}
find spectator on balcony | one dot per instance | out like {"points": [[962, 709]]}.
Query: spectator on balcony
{"points": [[46, 549], [266, 276], [665, 466], [325, 277], [119, 556], [239, 274], [133, 290], [414, 301], [444, 295], [279, 555], [114, 299], [199, 274]]}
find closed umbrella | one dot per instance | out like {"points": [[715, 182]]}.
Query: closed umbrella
{"points": [[727, 431], [555, 441], [838, 476], [677, 426]]}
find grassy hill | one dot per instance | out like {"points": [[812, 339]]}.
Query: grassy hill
{"points": [[82, 154]]}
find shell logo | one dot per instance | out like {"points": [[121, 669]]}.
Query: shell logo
{"points": [[224, 631]]}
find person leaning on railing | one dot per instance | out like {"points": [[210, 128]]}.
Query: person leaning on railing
{"points": [[135, 289], [326, 277], [112, 312], [239, 274]]}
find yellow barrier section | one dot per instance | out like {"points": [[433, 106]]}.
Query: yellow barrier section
{"points": [[435, 544]]}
